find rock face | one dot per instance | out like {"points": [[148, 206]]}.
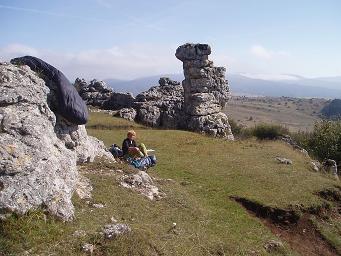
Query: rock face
{"points": [[126, 113], [75, 138], [38, 148], [205, 91], [98, 94], [161, 105]]}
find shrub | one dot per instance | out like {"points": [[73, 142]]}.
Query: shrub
{"points": [[325, 140], [268, 131], [235, 127], [301, 138], [332, 110]]}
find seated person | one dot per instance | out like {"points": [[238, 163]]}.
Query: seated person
{"points": [[130, 148]]}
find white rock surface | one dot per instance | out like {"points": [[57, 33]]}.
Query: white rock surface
{"points": [[142, 183], [38, 151]]}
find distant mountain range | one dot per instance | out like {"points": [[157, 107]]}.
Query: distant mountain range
{"points": [[243, 84]]}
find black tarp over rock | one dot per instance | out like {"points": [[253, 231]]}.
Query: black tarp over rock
{"points": [[68, 103]]}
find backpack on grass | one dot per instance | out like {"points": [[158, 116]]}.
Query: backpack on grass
{"points": [[143, 163]]}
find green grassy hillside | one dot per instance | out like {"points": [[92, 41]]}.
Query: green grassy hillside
{"points": [[206, 174]]}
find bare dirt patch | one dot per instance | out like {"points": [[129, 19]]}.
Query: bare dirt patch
{"points": [[295, 228]]}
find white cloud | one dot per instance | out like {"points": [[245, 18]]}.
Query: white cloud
{"points": [[266, 54], [17, 49], [272, 77], [124, 62]]}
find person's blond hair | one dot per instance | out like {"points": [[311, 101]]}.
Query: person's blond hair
{"points": [[131, 133]]}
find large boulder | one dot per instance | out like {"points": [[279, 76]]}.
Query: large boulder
{"points": [[161, 105], [98, 94], [39, 149]]}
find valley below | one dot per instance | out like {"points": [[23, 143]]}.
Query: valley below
{"points": [[296, 114]]}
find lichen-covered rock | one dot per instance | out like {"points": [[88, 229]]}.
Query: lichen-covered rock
{"points": [[38, 149]]}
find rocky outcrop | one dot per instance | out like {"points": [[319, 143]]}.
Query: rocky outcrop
{"points": [[195, 105], [283, 160], [205, 91], [112, 231], [38, 148], [76, 139], [330, 166], [142, 183], [161, 105], [98, 94], [126, 113], [287, 139]]}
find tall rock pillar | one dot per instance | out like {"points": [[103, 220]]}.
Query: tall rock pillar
{"points": [[205, 91]]}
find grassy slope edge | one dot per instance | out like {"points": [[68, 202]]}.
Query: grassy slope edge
{"points": [[206, 171]]}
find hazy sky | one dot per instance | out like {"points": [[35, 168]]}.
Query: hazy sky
{"points": [[129, 39]]}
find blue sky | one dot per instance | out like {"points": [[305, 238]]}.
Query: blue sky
{"points": [[129, 39]]}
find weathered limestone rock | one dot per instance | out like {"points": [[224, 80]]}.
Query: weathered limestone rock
{"points": [[112, 231], [161, 105], [36, 169], [83, 188], [98, 94], [88, 248], [76, 139], [315, 165], [330, 166], [127, 113], [195, 105], [287, 139], [283, 160], [38, 149], [142, 183], [273, 246], [205, 91]]}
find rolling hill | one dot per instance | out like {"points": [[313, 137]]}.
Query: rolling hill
{"points": [[328, 87]]}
